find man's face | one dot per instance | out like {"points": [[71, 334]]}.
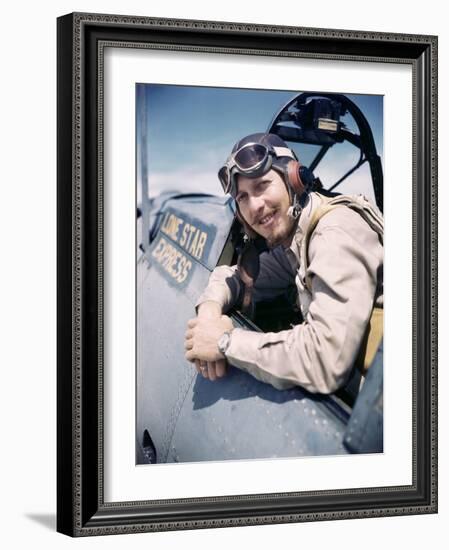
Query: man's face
{"points": [[263, 202]]}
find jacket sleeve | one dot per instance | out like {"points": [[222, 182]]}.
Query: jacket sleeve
{"points": [[224, 284], [345, 259], [223, 287]]}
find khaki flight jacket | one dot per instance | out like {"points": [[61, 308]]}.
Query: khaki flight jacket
{"points": [[339, 277]]}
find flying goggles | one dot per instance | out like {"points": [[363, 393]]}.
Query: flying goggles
{"points": [[252, 160]]}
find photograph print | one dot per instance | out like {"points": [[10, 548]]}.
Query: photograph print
{"points": [[259, 276]]}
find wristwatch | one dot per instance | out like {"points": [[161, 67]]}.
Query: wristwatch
{"points": [[224, 342]]}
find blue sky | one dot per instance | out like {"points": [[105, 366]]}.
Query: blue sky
{"points": [[191, 131]]}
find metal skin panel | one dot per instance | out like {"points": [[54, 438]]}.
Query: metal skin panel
{"points": [[238, 417], [163, 375], [165, 303]]}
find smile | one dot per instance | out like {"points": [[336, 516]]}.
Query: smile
{"points": [[266, 220]]}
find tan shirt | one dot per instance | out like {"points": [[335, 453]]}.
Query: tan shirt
{"points": [[346, 272]]}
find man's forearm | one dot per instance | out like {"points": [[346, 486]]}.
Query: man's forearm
{"points": [[223, 288]]}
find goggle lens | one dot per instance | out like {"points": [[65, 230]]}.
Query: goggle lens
{"points": [[224, 176], [251, 156]]}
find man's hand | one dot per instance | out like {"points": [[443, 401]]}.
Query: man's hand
{"points": [[201, 341]]}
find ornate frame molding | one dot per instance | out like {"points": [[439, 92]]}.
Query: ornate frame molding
{"points": [[81, 42]]}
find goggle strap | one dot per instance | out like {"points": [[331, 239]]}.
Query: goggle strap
{"points": [[283, 152]]}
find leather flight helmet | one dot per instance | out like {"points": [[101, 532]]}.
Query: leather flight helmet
{"points": [[256, 154]]}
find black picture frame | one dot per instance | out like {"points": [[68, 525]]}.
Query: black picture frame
{"points": [[81, 510]]}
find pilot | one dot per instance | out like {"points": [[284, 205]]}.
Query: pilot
{"points": [[329, 246]]}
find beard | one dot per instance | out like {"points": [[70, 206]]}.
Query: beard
{"points": [[274, 241], [283, 236]]}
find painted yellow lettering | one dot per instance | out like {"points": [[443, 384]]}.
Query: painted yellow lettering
{"points": [[159, 249], [171, 226], [185, 271], [184, 235], [165, 222], [194, 244], [192, 231], [200, 246]]}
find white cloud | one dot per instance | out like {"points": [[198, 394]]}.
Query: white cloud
{"points": [[185, 181]]}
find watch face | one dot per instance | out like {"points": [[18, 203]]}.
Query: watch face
{"points": [[223, 342]]}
